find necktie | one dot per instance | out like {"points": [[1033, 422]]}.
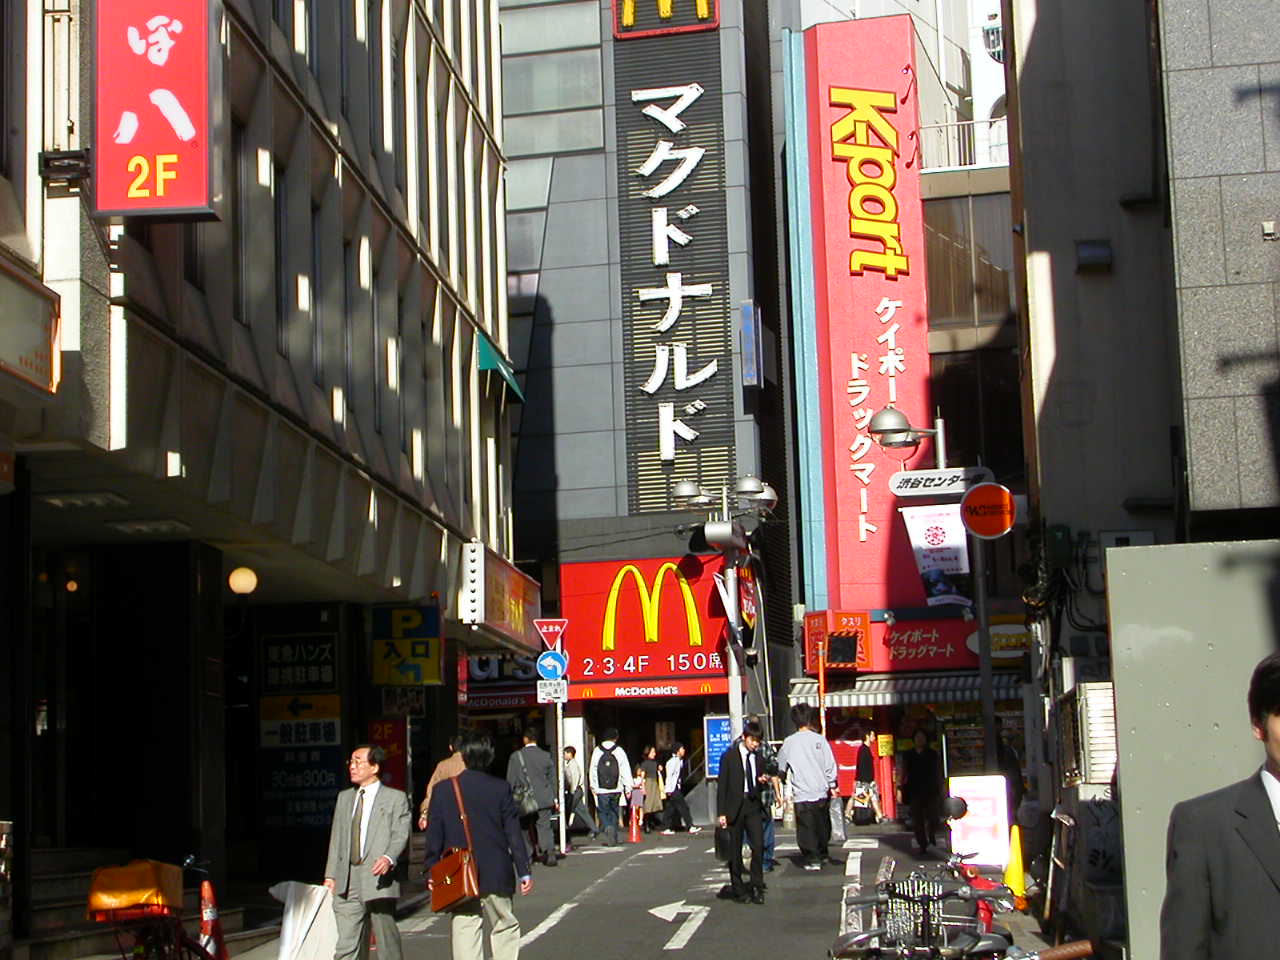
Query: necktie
{"points": [[356, 821], [752, 786]]}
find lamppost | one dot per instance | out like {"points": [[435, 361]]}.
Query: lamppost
{"points": [[724, 533], [892, 430]]}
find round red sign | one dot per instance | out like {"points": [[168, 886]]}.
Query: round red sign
{"points": [[988, 510]]}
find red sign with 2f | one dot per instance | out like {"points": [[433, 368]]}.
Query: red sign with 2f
{"points": [[156, 78]]}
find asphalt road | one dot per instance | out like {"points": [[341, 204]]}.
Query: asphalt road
{"points": [[659, 896]]}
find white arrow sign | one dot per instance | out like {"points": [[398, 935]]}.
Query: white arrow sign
{"points": [[670, 911]]}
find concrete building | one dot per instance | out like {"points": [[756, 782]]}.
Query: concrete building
{"points": [[316, 386]]}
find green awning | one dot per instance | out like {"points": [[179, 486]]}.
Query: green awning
{"points": [[491, 358]]}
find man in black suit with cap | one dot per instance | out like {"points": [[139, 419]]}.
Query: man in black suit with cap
{"points": [[1222, 862]]}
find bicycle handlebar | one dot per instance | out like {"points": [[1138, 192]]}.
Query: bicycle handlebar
{"points": [[963, 892], [1067, 951]]}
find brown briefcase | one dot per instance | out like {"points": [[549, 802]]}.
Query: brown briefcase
{"points": [[454, 880]]}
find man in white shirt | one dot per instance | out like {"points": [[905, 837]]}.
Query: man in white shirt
{"points": [[808, 763], [610, 777], [369, 835], [1222, 860], [676, 806]]}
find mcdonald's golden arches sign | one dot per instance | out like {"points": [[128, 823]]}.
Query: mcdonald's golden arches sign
{"points": [[644, 628]]}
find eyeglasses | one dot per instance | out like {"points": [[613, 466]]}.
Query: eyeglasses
{"points": [[358, 763]]}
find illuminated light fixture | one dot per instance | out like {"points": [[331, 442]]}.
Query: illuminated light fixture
{"points": [[155, 528], [66, 501], [72, 586], [242, 581]]}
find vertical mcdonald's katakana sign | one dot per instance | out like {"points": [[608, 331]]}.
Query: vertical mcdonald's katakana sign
{"points": [[656, 18]]}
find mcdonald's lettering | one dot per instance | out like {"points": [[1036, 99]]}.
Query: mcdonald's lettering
{"points": [[648, 18], [650, 605]]}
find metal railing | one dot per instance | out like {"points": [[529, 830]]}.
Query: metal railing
{"points": [[966, 143]]}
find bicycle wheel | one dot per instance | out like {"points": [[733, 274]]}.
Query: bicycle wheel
{"points": [[189, 948]]}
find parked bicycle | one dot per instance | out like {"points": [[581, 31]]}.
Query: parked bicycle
{"points": [[143, 902], [908, 921]]}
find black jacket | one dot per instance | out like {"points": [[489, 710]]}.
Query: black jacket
{"points": [[1222, 869], [495, 830], [538, 773], [731, 783]]}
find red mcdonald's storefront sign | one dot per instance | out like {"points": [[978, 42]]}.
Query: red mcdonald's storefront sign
{"points": [[644, 628], [157, 96]]}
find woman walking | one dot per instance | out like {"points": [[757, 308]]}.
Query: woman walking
{"points": [[653, 792]]}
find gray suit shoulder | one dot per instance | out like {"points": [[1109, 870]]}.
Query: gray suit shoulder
{"points": [[1211, 805]]}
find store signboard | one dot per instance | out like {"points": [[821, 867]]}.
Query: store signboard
{"points": [[717, 734], [30, 346], [679, 325], [984, 830], [407, 647], [301, 663], [392, 735], [651, 627], [157, 100], [494, 594], [872, 317], [494, 681]]}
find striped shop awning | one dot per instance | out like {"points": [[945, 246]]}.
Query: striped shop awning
{"points": [[883, 689]]}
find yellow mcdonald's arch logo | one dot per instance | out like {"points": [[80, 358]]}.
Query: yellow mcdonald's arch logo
{"points": [[650, 605], [665, 10], [589, 693], [704, 688]]}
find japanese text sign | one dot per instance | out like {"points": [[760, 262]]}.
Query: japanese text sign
{"points": [[651, 627], [157, 67], [406, 646], [869, 270]]}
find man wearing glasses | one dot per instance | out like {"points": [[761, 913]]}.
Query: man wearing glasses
{"points": [[369, 835]]}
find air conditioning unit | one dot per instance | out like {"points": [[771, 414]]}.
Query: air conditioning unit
{"points": [[1087, 733]]}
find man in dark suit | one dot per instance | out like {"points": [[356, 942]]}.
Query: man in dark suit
{"points": [[740, 809], [369, 835], [531, 765], [1222, 862], [496, 844]]}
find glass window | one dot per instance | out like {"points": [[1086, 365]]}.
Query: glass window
{"points": [[528, 183], [346, 31], [317, 323], [280, 202], [524, 240], [552, 132], [373, 30], [399, 360], [551, 28], [993, 280], [969, 247], [398, 116], [239, 180], [551, 81], [979, 395], [350, 276], [282, 14]]}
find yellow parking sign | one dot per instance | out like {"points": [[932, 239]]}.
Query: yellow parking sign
{"points": [[407, 646]]}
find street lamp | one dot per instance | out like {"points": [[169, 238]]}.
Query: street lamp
{"points": [[892, 430], [747, 496]]}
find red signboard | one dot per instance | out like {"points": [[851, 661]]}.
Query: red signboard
{"points": [[157, 79], [642, 628], [392, 735], [842, 633], [869, 262]]}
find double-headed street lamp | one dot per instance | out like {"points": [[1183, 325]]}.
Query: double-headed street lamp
{"points": [[892, 430], [747, 496]]}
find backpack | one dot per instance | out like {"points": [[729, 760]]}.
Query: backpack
{"points": [[607, 770]]}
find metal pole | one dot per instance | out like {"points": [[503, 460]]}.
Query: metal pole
{"points": [[735, 670], [978, 550], [940, 442], [564, 814]]}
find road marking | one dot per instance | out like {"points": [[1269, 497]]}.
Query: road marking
{"points": [[851, 914], [861, 843], [558, 913], [670, 911], [659, 851], [417, 923]]}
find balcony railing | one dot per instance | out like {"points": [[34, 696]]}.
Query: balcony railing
{"points": [[968, 143]]}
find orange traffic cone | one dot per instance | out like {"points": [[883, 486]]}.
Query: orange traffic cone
{"points": [[637, 819], [210, 926]]}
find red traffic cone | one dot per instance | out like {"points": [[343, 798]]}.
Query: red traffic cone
{"points": [[210, 926], [637, 819]]}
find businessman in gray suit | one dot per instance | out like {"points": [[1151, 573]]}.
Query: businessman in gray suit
{"points": [[369, 835], [1222, 895], [532, 765]]}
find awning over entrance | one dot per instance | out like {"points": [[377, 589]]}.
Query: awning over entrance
{"points": [[491, 358], [883, 689]]}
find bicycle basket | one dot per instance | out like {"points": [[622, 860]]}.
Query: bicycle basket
{"points": [[904, 919], [135, 891]]}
